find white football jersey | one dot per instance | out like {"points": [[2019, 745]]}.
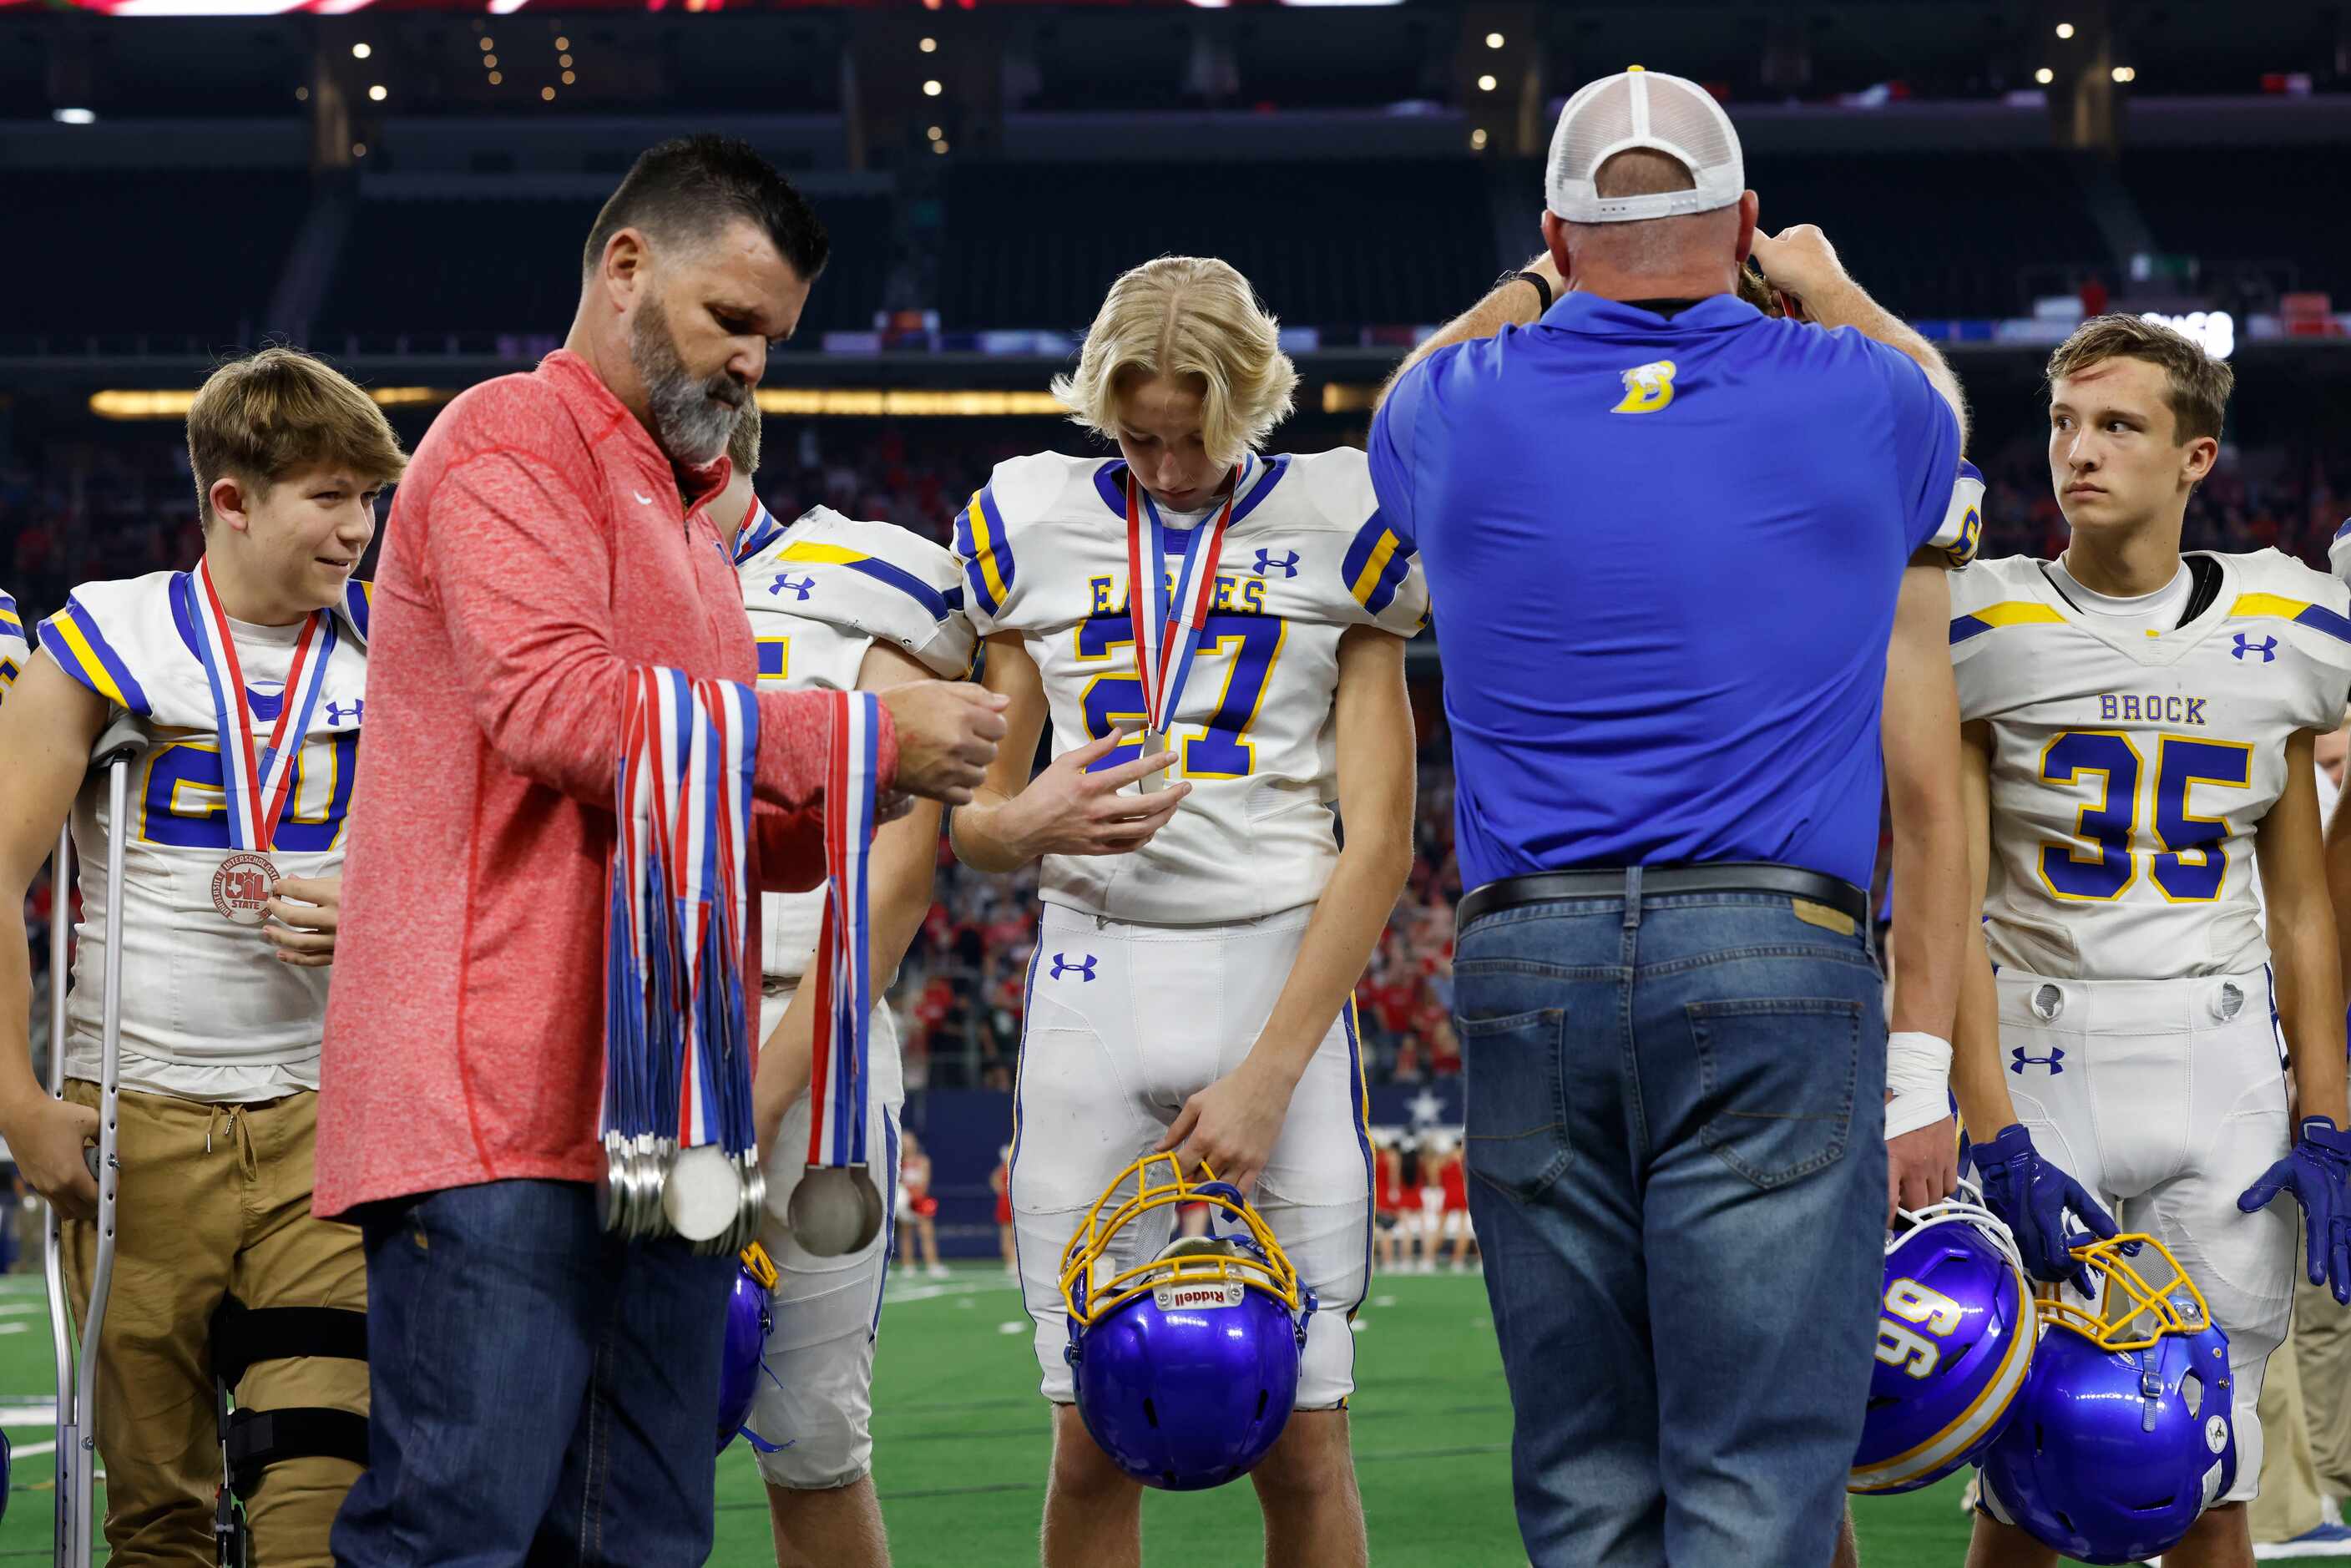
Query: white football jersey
{"points": [[819, 593], [208, 1012], [15, 651], [1306, 557], [2131, 767]]}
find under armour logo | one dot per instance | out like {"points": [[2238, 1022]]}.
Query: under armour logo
{"points": [[802, 588], [335, 712], [2019, 1058], [1288, 563], [2266, 648], [1085, 971]]}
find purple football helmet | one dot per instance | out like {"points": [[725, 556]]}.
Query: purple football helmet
{"points": [[746, 1341], [1185, 1364], [2123, 1434], [1955, 1339]]}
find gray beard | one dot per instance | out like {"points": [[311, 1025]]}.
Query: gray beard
{"points": [[690, 425]]}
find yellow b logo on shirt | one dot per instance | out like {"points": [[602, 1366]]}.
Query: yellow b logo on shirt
{"points": [[1647, 388]]}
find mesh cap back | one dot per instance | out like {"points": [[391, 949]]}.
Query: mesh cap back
{"points": [[1642, 109]]}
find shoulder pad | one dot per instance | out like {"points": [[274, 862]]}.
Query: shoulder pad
{"points": [[2274, 586], [1379, 565], [2338, 554], [1020, 491], [876, 579], [87, 637]]}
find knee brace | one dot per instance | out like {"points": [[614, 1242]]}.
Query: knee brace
{"points": [[252, 1441]]}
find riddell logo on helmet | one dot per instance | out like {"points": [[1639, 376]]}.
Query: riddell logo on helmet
{"points": [[1211, 1293]]}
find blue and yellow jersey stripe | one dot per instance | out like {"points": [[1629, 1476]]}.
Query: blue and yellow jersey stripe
{"points": [[71, 637], [980, 539], [2009, 613], [11, 618], [1377, 563], [811, 552], [359, 600], [2300, 612]]}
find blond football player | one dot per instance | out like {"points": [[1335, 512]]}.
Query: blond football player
{"points": [[1200, 940]]}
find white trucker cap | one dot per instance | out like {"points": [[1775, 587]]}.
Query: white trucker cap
{"points": [[1642, 109]]}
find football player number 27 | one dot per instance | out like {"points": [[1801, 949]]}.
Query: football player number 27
{"points": [[2189, 863], [1247, 644], [1914, 1312]]}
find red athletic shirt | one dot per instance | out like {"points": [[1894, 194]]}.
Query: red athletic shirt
{"points": [[538, 554]]}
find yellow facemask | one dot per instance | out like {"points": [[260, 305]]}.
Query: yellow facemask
{"points": [[2133, 1314], [1089, 1299]]}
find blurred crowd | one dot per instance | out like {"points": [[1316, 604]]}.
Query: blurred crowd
{"points": [[119, 502]]}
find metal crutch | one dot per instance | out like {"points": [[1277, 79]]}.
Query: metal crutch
{"points": [[77, 1366]]}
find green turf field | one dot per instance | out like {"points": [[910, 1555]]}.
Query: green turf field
{"points": [[960, 1441]]}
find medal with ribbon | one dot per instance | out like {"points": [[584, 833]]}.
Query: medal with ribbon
{"points": [[256, 781], [677, 1123], [836, 1208], [1167, 636]]}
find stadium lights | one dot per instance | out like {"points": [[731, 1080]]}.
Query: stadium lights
{"points": [[174, 403], [487, 44], [1493, 40], [906, 403], [1478, 141], [940, 146], [568, 78], [547, 95], [2044, 76], [505, 7], [74, 116], [490, 62], [562, 42], [302, 95], [377, 94], [358, 149], [930, 46], [563, 60], [936, 133], [497, 77], [932, 88], [360, 51], [2064, 29], [1486, 84], [2125, 73]]}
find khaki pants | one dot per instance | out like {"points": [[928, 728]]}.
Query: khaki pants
{"points": [[2322, 1344], [2288, 1503], [214, 1201]]}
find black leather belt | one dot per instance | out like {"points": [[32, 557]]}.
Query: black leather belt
{"points": [[1720, 876]]}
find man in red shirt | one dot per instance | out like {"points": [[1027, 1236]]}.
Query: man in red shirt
{"points": [[541, 1389]]}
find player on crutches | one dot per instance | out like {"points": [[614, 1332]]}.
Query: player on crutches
{"points": [[78, 1365]]}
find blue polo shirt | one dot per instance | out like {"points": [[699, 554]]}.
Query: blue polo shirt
{"points": [[1663, 554]]}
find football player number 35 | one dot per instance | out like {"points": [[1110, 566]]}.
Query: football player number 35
{"points": [[1914, 1312], [1113, 702], [2189, 864]]}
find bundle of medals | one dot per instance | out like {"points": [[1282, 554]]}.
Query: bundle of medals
{"points": [[680, 1155], [836, 1208]]}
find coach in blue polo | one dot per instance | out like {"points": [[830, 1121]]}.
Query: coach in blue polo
{"points": [[1662, 533]]}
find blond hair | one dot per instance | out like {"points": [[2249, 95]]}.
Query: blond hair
{"points": [[2199, 388], [280, 413], [1185, 317]]}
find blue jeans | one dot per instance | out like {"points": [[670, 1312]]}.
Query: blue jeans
{"points": [[540, 1392], [1676, 1125]]}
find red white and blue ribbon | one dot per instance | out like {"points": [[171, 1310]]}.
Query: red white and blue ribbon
{"points": [[1168, 635], [257, 780], [839, 1075], [678, 1055]]}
